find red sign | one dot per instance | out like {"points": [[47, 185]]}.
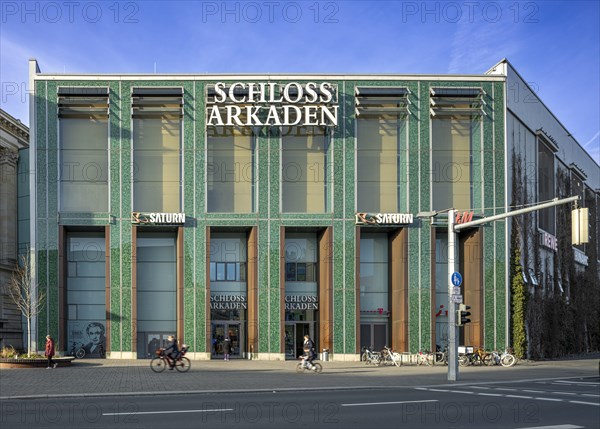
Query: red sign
{"points": [[463, 217]]}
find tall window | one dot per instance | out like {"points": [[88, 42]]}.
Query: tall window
{"points": [[230, 170], [455, 129], [546, 187], [381, 134], [83, 146], [374, 282], [157, 120], [86, 291], [305, 170]]}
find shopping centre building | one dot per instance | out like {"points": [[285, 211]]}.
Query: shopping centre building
{"points": [[267, 207]]}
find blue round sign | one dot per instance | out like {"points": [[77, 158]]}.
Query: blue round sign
{"points": [[456, 278]]}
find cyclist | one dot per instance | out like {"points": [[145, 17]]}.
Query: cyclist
{"points": [[172, 351], [309, 353]]}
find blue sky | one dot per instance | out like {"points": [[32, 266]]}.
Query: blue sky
{"points": [[554, 45]]}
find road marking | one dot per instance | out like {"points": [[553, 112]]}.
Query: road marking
{"points": [[590, 394], [550, 399], [137, 413], [387, 403], [534, 391], [554, 427], [496, 394], [586, 403], [478, 387], [582, 383]]}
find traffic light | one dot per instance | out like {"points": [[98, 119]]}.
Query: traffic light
{"points": [[462, 315]]}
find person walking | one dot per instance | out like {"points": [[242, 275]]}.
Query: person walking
{"points": [[227, 347], [50, 352]]}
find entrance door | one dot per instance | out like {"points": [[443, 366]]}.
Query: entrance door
{"points": [[294, 338], [152, 342], [374, 335], [219, 332]]}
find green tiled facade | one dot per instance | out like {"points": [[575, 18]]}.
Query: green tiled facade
{"points": [[488, 192]]}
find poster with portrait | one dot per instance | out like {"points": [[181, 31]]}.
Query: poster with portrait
{"points": [[89, 335]]}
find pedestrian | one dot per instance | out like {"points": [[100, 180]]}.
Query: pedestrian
{"points": [[50, 352], [227, 347]]}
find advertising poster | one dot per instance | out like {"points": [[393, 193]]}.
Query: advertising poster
{"points": [[89, 335]]}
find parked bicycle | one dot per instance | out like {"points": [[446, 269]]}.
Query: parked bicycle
{"points": [[440, 356], [78, 352], [370, 357], [388, 355], [160, 362]]}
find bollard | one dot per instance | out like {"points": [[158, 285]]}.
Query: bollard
{"points": [[325, 355]]}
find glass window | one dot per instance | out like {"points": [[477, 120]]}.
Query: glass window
{"points": [[83, 143], [451, 161], [378, 163], [230, 170], [374, 284], [156, 169], [546, 187], [305, 170]]}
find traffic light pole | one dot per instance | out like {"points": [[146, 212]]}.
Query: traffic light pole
{"points": [[453, 260], [452, 329]]}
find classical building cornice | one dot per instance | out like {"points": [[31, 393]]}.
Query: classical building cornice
{"points": [[14, 128], [8, 156]]}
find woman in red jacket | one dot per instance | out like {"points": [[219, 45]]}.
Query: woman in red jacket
{"points": [[50, 352]]}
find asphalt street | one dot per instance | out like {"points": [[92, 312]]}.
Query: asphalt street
{"points": [[110, 393]]}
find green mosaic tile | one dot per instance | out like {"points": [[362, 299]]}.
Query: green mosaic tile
{"points": [[338, 321], [200, 288]]}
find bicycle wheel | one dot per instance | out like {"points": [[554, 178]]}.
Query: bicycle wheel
{"points": [[365, 358], [463, 360], [300, 368], [508, 360], [488, 359], [430, 359], [158, 364], [318, 368], [183, 365], [80, 354]]}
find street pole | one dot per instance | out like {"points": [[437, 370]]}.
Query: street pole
{"points": [[452, 329], [453, 259]]}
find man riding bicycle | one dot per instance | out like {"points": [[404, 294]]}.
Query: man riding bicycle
{"points": [[172, 351], [309, 353]]}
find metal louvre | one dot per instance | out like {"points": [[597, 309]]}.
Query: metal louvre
{"points": [[381, 101], [157, 102], [457, 101], [82, 102]]}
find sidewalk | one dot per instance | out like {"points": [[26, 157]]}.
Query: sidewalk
{"points": [[90, 377]]}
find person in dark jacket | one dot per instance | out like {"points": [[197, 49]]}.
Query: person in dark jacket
{"points": [[227, 347], [50, 352], [309, 351], [172, 351]]}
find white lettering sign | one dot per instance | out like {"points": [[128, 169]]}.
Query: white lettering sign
{"points": [[228, 302], [383, 219], [277, 104], [580, 257], [301, 302], [158, 218], [549, 241]]}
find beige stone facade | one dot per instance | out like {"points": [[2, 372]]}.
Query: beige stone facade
{"points": [[13, 137]]}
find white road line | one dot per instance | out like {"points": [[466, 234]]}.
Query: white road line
{"points": [[137, 413], [583, 383], [464, 391], [387, 403], [586, 403], [550, 399], [490, 394], [565, 393], [534, 391], [554, 427], [478, 387], [519, 396], [590, 394]]}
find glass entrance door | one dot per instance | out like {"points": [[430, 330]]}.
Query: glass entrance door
{"points": [[220, 331], [294, 338]]}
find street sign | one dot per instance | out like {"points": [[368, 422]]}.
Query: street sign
{"points": [[457, 299], [456, 290], [456, 278]]}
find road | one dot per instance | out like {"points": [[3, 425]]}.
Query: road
{"points": [[549, 403]]}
